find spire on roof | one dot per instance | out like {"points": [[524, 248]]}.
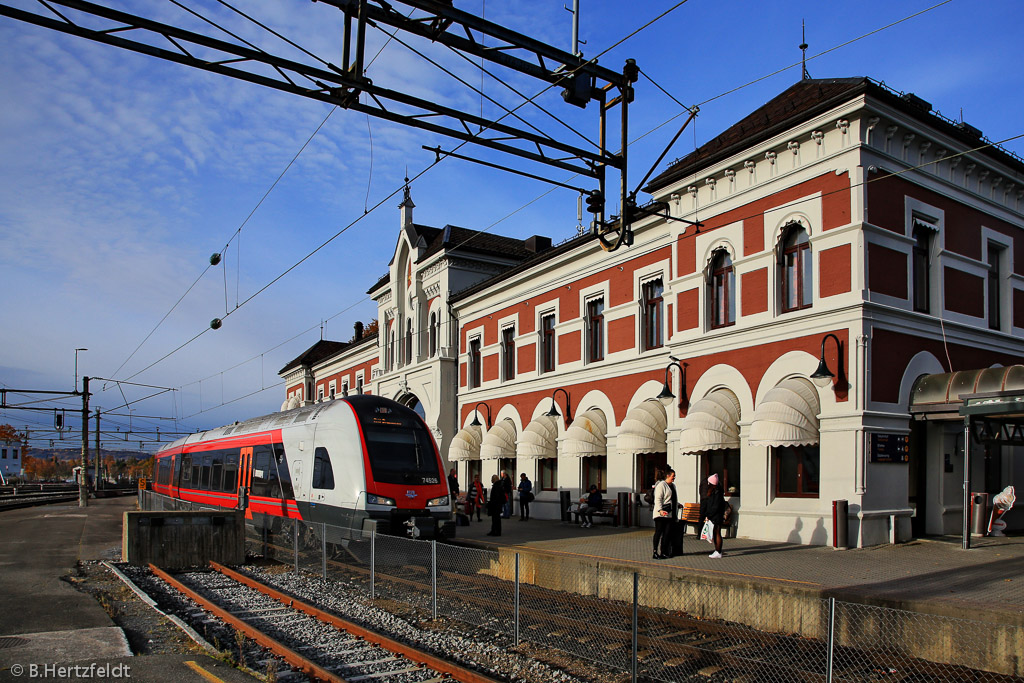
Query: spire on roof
{"points": [[406, 206], [803, 50]]}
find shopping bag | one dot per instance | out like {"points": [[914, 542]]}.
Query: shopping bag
{"points": [[708, 532]]}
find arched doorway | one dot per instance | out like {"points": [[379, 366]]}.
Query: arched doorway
{"points": [[410, 401]]}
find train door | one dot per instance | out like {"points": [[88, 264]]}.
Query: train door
{"points": [[245, 479]]}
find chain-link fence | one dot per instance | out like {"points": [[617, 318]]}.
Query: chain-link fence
{"points": [[654, 628]]}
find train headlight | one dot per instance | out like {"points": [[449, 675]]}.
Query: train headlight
{"points": [[371, 499], [437, 502]]}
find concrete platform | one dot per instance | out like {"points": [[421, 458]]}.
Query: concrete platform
{"points": [[45, 621], [932, 575]]}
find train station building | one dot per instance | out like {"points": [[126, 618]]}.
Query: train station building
{"points": [[814, 299]]}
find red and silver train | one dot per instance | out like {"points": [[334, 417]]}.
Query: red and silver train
{"points": [[341, 462]]}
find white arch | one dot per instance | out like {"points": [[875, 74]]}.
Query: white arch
{"points": [[923, 363], [720, 243], [596, 399], [509, 412], [723, 376], [794, 364], [798, 217]]}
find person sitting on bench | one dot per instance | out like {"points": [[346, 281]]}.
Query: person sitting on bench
{"points": [[590, 504]]}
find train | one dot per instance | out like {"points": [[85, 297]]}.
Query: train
{"points": [[343, 462]]}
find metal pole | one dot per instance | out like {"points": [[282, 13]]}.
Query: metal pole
{"points": [[373, 562], [433, 576], [576, 27], [516, 604], [636, 628], [323, 547], [96, 467], [967, 484], [831, 637], [83, 487]]}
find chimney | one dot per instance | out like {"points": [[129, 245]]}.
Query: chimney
{"points": [[358, 331], [537, 244], [406, 206]]}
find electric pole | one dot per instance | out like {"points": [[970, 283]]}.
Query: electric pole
{"points": [[83, 486], [97, 477]]}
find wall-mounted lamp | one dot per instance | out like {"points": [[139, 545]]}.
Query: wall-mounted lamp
{"points": [[553, 411], [476, 415], [823, 376], [666, 396]]}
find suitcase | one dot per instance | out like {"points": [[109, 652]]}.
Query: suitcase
{"points": [[677, 531]]}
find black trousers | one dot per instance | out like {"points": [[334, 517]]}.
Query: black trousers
{"points": [[496, 524], [524, 509], [663, 528]]}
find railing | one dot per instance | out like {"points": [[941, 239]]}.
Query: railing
{"points": [[649, 627]]}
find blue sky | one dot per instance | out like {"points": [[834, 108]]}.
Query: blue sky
{"points": [[121, 173]]}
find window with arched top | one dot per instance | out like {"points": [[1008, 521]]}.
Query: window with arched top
{"points": [[432, 335], [796, 269], [408, 341], [721, 290]]}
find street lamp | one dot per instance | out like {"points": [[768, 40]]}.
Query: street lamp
{"points": [[476, 415], [553, 411], [76, 368], [666, 396], [823, 376]]}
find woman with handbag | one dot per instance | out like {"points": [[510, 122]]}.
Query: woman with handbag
{"points": [[665, 511], [712, 509]]}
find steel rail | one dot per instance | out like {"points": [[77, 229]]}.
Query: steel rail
{"points": [[293, 658], [442, 666]]}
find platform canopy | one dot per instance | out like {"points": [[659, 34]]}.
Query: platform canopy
{"points": [[712, 423], [465, 445], [499, 441], [539, 438], [787, 415], [643, 429], [586, 436], [941, 396]]}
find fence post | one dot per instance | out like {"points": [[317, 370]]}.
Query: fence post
{"points": [[831, 637], [516, 604], [433, 576], [295, 544], [636, 630], [373, 562], [323, 546]]}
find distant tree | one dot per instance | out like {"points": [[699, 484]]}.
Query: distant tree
{"points": [[371, 327], [10, 434]]}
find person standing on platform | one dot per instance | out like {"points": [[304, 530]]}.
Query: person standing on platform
{"points": [[476, 498], [713, 508], [496, 505], [525, 497], [506, 484], [665, 511], [453, 487]]}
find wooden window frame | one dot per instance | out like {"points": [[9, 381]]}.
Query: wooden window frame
{"points": [[801, 253], [595, 329], [776, 467], [653, 313], [722, 278], [508, 353], [474, 376], [548, 359]]}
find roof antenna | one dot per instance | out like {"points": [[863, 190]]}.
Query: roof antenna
{"points": [[321, 330], [803, 50]]}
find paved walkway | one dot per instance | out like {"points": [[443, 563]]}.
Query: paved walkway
{"points": [[46, 622], [932, 574]]}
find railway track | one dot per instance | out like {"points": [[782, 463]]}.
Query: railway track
{"points": [[316, 643], [672, 646]]}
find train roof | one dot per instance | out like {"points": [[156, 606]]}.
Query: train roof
{"points": [[279, 420]]}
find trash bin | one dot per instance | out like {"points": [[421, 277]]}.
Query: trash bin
{"points": [[979, 513], [622, 510], [840, 525], [564, 501]]}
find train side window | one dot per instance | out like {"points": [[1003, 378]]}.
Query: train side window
{"points": [[231, 472], [197, 467], [217, 471], [280, 468], [323, 473], [164, 473], [260, 470], [186, 470], [177, 469], [207, 461]]}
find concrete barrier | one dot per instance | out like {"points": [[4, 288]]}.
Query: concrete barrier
{"points": [[178, 539]]}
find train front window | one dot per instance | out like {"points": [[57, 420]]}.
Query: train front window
{"points": [[401, 455], [323, 473]]}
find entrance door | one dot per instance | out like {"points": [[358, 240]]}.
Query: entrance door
{"points": [[917, 477]]}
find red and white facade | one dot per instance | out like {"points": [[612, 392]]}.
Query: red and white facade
{"points": [[838, 208]]}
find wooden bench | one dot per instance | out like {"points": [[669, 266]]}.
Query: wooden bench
{"points": [[691, 516], [609, 508]]}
